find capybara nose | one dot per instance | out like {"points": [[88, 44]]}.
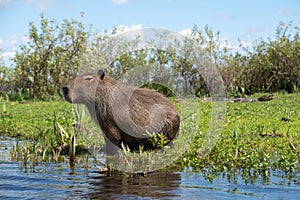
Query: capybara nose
{"points": [[65, 90]]}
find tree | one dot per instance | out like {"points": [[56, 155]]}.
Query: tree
{"points": [[6, 74], [272, 65], [52, 55]]}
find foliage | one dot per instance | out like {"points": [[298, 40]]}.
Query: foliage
{"points": [[56, 51], [256, 136], [52, 55], [59, 137], [271, 66], [31, 119], [174, 67], [157, 140]]}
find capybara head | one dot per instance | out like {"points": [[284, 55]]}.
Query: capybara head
{"points": [[82, 88]]}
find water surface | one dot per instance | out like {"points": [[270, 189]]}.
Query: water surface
{"points": [[49, 181]]}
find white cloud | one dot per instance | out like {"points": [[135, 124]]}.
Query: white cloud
{"points": [[8, 48], [9, 43], [123, 28], [13, 42], [237, 45], [185, 32], [224, 43], [8, 55], [25, 39], [4, 3], [130, 32], [119, 2], [232, 44], [245, 44]]}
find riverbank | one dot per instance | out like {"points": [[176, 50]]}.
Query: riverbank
{"points": [[255, 136]]}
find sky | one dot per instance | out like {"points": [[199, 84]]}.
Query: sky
{"points": [[245, 20]]}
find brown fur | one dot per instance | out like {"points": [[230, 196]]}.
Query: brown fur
{"points": [[123, 113]]}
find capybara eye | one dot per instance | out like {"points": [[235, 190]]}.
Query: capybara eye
{"points": [[88, 78]]}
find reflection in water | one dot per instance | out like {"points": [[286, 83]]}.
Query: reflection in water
{"points": [[156, 185]]}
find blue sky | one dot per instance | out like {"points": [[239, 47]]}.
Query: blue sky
{"points": [[247, 20]]}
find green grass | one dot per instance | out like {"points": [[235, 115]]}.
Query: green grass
{"points": [[256, 137], [31, 119]]}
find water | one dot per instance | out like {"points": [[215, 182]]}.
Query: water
{"points": [[47, 181]]}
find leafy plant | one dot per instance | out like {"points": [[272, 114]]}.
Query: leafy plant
{"points": [[52, 54], [158, 140]]}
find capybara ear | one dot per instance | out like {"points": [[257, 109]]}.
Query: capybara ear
{"points": [[101, 73]]}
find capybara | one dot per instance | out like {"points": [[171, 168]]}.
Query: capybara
{"points": [[126, 115]]}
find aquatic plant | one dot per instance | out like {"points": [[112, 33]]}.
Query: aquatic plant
{"points": [[256, 136]]}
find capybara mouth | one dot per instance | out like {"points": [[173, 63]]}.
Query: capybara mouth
{"points": [[68, 99]]}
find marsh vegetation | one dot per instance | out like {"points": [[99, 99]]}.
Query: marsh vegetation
{"points": [[255, 137]]}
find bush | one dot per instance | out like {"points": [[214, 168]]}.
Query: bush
{"points": [[272, 66]]}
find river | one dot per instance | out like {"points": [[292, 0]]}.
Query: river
{"points": [[49, 181]]}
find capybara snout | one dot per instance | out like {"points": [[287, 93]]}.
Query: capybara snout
{"points": [[65, 91]]}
